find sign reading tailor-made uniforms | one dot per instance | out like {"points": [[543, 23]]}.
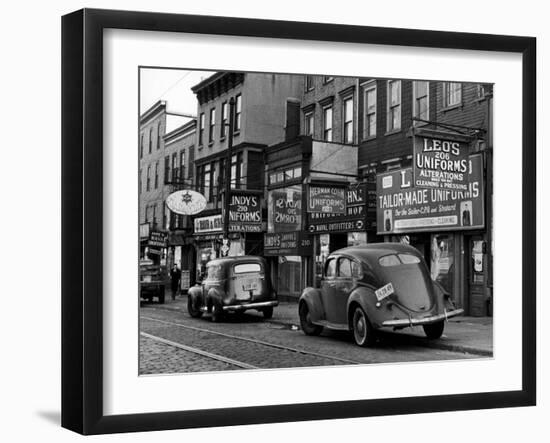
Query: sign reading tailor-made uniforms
{"points": [[284, 209], [357, 217], [245, 212], [403, 208], [440, 164], [287, 243], [326, 199]]}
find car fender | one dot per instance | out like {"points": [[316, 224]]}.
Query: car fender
{"points": [[312, 297], [214, 294], [364, 296]]}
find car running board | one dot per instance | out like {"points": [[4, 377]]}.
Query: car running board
{"points": [[329, 325]]}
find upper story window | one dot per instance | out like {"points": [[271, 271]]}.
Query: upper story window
{"points": [[421, 100], [174, 166], [394, 105], [140, 188], [308, 123], [452, 94], [348, 120], [156, 175], [238, 111], [166, 169], [237, 170], [309, 83], [327, 123], [212, 124], [158, 136], [148, 183], [284, 175], [327, 78], [150, 140], [141, 146], [201, 128], [369, 110], [225, 114]]}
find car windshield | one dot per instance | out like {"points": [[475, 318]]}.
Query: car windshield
{"points": [[398, 259], [247, 267]]}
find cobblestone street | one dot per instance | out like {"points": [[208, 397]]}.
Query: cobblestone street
{"points": [[173, 342]]}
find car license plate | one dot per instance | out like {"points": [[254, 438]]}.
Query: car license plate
{"points": [[384, 291], [250, 285]]}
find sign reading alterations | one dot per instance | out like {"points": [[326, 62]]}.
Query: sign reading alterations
{"points": [[440, 164], [403, 208]]}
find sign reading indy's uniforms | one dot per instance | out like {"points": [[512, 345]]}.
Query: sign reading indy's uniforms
{"points": [[245, 212], [403, 207]]}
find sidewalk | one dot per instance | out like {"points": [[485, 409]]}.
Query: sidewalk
{"points": [[462, 334], [473, 335]]}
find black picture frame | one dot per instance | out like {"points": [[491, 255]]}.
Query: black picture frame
{"points": [[82, 229]]}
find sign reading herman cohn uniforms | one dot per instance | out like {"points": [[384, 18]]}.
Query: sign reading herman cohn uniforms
{"points": [[440, 164], [404, 208]]}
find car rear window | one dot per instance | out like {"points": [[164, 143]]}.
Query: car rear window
{"points": [[398, 259], [247, 267]]}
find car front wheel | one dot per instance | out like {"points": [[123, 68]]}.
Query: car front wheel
{"points": [[305, 321], [434, 330], [363, 332]]}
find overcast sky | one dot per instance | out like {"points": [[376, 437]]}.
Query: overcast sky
{"points": [[171, 85]]}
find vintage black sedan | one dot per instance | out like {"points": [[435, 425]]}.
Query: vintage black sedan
{"points": [[379, 285], [233, 284]]}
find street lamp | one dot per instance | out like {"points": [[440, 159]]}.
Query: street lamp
{"points": [[227, 188]]}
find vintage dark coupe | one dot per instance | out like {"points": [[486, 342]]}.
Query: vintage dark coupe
{"points": [[380, 285], [233, 284]]}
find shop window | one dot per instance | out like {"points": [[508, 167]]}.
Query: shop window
{"points": [[442, 260], [421, 101], [394, 105]]}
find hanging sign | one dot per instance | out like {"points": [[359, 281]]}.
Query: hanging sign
{"points": [[245, 212], [186, 202], [440, 164]]}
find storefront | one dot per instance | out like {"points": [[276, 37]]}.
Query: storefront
{"points": [[443, 215], [338, 216]]}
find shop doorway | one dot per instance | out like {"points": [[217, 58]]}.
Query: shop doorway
{"points": [[476, 285]]}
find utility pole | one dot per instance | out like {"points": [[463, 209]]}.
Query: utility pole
{"points": [[227, 188]]}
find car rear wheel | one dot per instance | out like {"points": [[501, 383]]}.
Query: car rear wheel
{"points": [[217, 312], [363, 332], [434, 330], [192, 309], [268, 312], [305, 321]]}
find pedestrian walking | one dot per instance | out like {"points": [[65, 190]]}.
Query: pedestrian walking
{"points": [[175, 275]]}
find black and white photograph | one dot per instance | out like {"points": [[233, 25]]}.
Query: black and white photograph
{"points": [[308, 220]]}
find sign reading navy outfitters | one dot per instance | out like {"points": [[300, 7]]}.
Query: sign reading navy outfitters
{"points": [[404, 208], [326, 199], [158, 239], [440, 164], [355, 218], [287, 243], [245, 212]]}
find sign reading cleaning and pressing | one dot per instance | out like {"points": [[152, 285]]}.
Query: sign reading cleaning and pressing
{"points": [[326, 199], [440, 164], [245, 212], [403, 207]]}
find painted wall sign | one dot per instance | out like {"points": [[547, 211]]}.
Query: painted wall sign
{"points": [[440, 164], [284, 209], [287, 243], [212, 223], [158, 239], [403, 208], [186, 202], [326, 199], [245, 212]]}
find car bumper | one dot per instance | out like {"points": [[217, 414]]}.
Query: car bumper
{"points": [[245, 306], [423, 321]]}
